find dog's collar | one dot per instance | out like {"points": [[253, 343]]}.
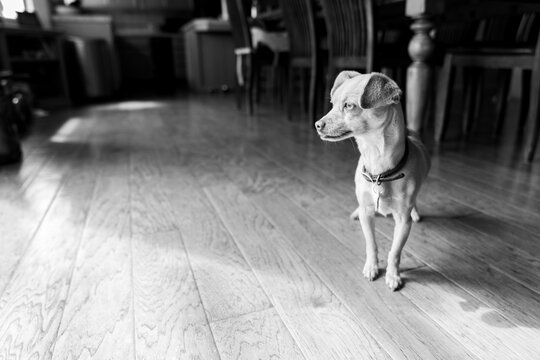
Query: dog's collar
{"points": [[389, 175]]}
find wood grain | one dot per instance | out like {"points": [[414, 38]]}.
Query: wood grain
{"points": [[20, 217], [319, 323], [170, 322], [258, 335], [272, 261], [496, 295], [520, 265], [98, 315], [149, 206], [32, 305], [27, 193], [341, 198], [487, 204], [227, 284], [343, 274]]}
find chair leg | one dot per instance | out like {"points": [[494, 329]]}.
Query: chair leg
{"points": [[249, 83], [443, 97], [525, 96], [290, 92], [303, 92], [274, 83], [313, 87], [478, 96], [239, 82], [256, 82], [534, 112], [331, 75], [472, 90], [502, 99]]}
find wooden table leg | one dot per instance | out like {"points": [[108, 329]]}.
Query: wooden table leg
{"points": [[419, 72]]}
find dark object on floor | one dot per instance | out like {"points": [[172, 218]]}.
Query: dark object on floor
{"points": [[10, 146], [21, 102]]}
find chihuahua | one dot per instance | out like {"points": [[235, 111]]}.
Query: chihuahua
{"points": [[393, 161]]}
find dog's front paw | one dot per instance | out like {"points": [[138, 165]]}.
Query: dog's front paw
{"points": [[393, 280], [371, 270]]}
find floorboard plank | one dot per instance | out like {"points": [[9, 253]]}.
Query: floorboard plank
{"points": [[493, 290], [518, 264], [312, 240], [490, 173], [20, 217], [98, 315], [149, 206], [500, 210], [258, 335], [170, 322], [321, 326], [227, 284], [26, 198], [32, 305], [277, 270], [522, 200]]}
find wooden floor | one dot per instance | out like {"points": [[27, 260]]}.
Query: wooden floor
{"points": [[183, 229]]}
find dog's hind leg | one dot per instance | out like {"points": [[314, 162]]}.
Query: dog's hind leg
{"points": [[354, 215], [415, 216]]}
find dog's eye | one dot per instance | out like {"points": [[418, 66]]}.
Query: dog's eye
{"points": [[349, 106]]}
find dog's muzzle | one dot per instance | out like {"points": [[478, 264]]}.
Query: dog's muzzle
{"points": [[333, 134]]}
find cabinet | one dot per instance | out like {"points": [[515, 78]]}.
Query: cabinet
{"points": [[179, 5], [147, 59], [210, 59]]}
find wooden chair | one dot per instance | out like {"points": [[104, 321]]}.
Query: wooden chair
{"points": [[509, 39], [304, 38], [355, 42], [243, 50], [351, 36]]}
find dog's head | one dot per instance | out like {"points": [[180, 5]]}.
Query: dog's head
{"points": [[358, 105]]}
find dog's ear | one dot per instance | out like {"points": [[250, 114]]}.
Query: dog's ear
{"points": [[380, 91], [340, 79]]}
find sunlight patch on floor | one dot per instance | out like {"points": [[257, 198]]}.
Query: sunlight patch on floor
{"points": [[130, 105], [66, 131]]}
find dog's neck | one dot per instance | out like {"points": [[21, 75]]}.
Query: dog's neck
{"points": [[383, 148]]}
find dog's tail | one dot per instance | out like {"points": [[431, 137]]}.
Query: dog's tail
{"points": [[414, 138]]}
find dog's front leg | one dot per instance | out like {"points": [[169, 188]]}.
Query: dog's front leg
{"points": [[366, 215], [401, 233]]}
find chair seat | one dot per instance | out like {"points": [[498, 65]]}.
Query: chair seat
{"points": [[301, 61], [350, 62], [277, 41], [492, 50], [493, 57]]}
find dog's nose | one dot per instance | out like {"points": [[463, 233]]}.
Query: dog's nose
{"points": [[319, 125]]}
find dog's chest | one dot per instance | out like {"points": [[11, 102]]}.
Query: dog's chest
{"points": [[381, 197]]}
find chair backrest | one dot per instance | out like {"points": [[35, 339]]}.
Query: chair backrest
{"points": [[237, 10], [350, 27], [507, 23], [299, 18]]}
